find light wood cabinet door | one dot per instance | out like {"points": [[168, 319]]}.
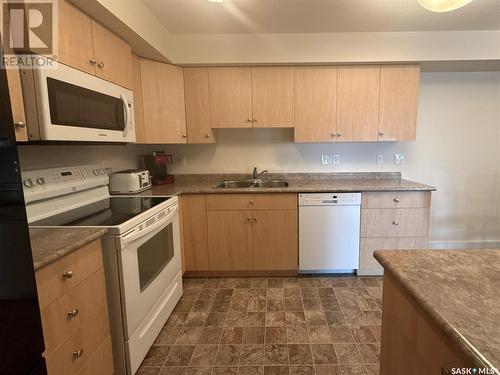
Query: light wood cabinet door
{"points": [[230, 97], [229, 240], [275, 241], [196, 92], [358, 103], [194, 232], [17, 104], [273, 97], [76, 46], [140, 131], [316, 104], [395, 222], [163, 102], [113, 56], [399, 86]]}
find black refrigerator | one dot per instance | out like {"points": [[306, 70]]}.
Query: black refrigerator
{"points": [[21, 336]]}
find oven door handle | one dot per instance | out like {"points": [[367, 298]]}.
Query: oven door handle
{"points": [[127, 114], [136, 233]]}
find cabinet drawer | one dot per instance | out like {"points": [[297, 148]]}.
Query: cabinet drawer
{"points": [[64, 360], [368, 245], [60, 319], [101, 362], [396, 199], [57, 278], [391, 222], [224, 202]]}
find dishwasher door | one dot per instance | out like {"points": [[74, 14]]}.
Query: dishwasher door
{"points": [[329, 227]]}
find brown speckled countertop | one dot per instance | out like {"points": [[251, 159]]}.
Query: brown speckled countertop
{"points": [[48, 245], [298, 183], [459, 290]]}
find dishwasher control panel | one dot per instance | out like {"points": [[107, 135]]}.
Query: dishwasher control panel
{"points": [[330, 199]]}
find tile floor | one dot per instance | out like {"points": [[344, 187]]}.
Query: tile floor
{"points": [[271, 326]]}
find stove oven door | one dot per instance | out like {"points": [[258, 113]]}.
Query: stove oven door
{"points": [[151, 280]]}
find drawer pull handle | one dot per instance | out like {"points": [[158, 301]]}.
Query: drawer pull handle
{"points": [[73, 313], [251, 202], [395, 223], [396, 200], [77, 353], [68, 274]]}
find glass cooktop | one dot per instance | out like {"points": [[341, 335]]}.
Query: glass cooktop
{"points": [[107, 212]]}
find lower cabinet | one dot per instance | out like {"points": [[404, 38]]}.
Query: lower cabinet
{"points": [[243, 232], [74, 312]]}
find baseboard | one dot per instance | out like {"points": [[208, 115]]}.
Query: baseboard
{"points": [[270, 273], [443, 245], [370, 272]]}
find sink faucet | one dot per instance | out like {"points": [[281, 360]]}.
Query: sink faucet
{"points": [[257, 175]]}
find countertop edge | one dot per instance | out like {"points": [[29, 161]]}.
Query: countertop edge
{"points": [[447, 328], [65, 250]]}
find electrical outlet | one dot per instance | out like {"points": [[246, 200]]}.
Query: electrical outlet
{"points": [[380, 159], [335, 159], [326, 159], [399, 158]]}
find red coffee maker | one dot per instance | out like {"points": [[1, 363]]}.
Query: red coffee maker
{"points": [[157, 166]]}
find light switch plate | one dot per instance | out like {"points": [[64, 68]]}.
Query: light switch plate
{"points": [[326, 159], [335, 159], [399, 158], [380, 159]]}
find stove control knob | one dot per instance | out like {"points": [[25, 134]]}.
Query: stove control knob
{"points": [[40, 180], [96, 172], [28, 183]]}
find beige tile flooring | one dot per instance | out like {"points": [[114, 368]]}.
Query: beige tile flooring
{"points": [[271, 326]]}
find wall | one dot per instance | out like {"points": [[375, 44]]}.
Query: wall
{"points": [[457, 150]]}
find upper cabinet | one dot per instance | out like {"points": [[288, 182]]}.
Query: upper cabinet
{"points": [[316, 104], [358, 103], [162, 87], [273, 97], [88, 46], [230, 97], [399, 86], [196, 93], [17, 104]]}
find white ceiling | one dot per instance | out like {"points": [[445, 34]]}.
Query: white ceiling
{"points": [[318, 16]]}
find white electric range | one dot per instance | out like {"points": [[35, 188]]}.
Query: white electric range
{"points": [[141, 249]]}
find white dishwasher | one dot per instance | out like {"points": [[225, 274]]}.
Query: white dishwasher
{"points": [[329, 232]]}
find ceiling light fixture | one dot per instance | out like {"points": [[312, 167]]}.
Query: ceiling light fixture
{"points": [[443, 5]]}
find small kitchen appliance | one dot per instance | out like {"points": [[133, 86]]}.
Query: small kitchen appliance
{"points": [[141, 249], [129, 181], [156, 163]]}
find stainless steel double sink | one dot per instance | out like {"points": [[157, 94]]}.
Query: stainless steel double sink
{"points": [[251, 183]]}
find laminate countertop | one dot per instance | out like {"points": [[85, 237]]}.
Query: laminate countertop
{"points": [[48, 245], [298, 183], [459, 290]]}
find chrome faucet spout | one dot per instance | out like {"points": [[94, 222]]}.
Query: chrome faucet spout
{"points": [[256, 175]]}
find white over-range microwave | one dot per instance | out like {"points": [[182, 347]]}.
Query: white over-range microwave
{"points": [[66, 104]]}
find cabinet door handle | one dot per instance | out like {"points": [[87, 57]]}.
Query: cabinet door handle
{"points": [[339, 134], [19, 124], [73, 313], [68, 275], [77, 353], [249, 218], [251, 202], [381, 133], [184, 136], [395, 223], [396, 200], [93, 61], [100, 65], [254, 219], [333, 134], [207, 135], [249, 119]]}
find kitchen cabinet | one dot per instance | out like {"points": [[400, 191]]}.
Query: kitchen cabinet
{"points": [[17, 104], [240, 233], [86, 45], [316, 104], [399, 86], [163, 103], [392, 220], [74, 313], [230, 97], [196, 92], [229, 240], [194, 232], [358, 103], [273, 97], [411, 342], [140, 130]]}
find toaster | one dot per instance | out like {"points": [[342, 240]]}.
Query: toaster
{"points": [[129, 181]]}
